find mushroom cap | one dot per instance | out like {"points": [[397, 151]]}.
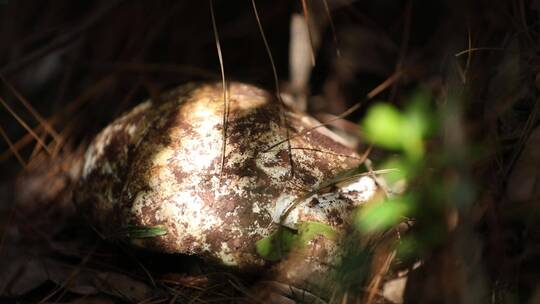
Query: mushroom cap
{"points": [[161, 164]]}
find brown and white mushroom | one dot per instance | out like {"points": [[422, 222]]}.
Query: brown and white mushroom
{"points": [[162, 164]]}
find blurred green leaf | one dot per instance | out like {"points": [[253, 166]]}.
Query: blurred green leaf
{"points": [[276, 245], [408, 247], [417, 125], [382, 126], [419, 115], [382, 215], [402, 169], [387, 127]]}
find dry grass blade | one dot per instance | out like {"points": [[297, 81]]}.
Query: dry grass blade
{"points": [[527, 129], [374, 285], [276, 83], [472, 50], [72, 107], [332, 26], [37, 147], [523, 19], [57, 146], [326, 152], [405, 36], [305, 9], [224, 87], [469, 46], [31, 109], [344, 298], [25, 126], [12, 148]]}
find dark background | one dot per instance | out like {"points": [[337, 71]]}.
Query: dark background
{"points": [[80, 64]]}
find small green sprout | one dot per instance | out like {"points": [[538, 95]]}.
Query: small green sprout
{"points": [[379, 216], [138, 232]]}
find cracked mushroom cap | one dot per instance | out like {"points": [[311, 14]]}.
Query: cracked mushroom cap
{"points": [[161, 165]]}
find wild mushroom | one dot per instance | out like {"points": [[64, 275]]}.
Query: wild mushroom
{"points": [[162, 164]]}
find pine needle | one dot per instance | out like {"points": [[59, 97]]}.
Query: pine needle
{"points": [[332, 27], [100, 86], [224, 87], [12, 148], [376, 91], [306, 18], [276, 82], [31, 109], [25, 126]]}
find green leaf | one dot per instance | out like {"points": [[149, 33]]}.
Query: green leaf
{"points": [[278, 244], [275, 246], [387, 127], [383, 126], [307, 231], [382, 215], [416, 125]]}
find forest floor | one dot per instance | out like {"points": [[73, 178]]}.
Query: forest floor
{"points": [[68, 68]]}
